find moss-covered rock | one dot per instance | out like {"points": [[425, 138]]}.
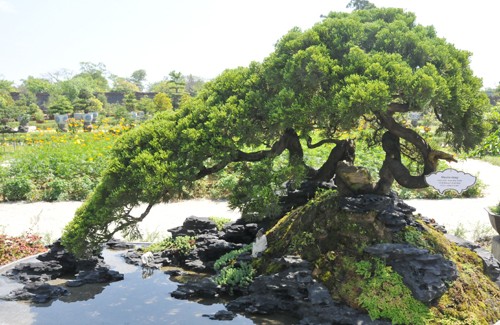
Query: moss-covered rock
{"points": [[334, 239]]}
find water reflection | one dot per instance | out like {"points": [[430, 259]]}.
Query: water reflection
{"points": [[143, 297]]}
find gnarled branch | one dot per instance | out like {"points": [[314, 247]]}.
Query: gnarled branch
{"points": [[318, 144], [393, 169]]}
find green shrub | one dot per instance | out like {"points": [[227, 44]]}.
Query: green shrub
{"points": [[496, 208], [238, 276], [230, 257], [231, 274], [56, 190], [183, 244], [80, 187], [17, 189], [220, 222], [490, 145]]}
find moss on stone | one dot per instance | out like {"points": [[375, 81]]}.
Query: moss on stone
{"points": [[333, 241]]}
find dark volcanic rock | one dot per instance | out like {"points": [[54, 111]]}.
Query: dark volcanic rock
{"points": [[211, 247], [204, 288], [425, 274], [165, 258], [490, 264], [35, 271], [55, 264], [195, 265], [240, 234], [101, 274], [37, 292], [194, 226], [58, 253], [118, 244], [294, 291], [296, 197], [392, 211]]}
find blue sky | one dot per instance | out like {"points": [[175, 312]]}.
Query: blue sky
{"points": [[203, 37]]}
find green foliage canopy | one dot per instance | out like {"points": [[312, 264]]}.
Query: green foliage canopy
{"points": [[376, 64]]}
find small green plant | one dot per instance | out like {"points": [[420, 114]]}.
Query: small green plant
{"points": [[481, 230], [384, 295], [414, 237], [220, 222], [183, 244], [460, 231], [232, 274], [496, 208], [300, 240], [238, 276], [230, 258]]}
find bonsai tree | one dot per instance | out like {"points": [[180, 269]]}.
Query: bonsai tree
{"points": [[60, 105], [374, 65]]}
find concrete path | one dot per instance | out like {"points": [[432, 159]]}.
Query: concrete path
{"points": [[49, 219], [466, 214]]}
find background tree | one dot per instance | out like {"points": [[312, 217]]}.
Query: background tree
{"points": [[130, 101], [87, 102], [91, 79], [360, 4], [193, 85], [162, 102], [137, 78], [7, 85], [7, 109], [26, 104], [174, 86], [60, 105], [122, 85], [146, 104], [96, 75], [36, 85], [370, 65]]}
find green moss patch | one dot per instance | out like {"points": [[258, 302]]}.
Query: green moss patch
{"points": [[333, 241]]}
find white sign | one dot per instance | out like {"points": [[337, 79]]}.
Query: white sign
{"points": [[450, 179]]}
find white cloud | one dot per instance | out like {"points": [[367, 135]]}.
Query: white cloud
{"points": [[6, 6]]}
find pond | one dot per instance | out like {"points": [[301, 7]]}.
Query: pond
{"points": [[138, 299]]}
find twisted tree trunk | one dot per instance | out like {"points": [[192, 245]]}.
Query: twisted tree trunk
{"points": [[393, 169]]}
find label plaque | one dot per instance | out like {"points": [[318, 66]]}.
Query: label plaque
{"points": [[450, 179]]}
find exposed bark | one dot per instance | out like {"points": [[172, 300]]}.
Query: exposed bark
{"points": [[318, 144], [288, 141], [343, 151], [396, 107], [392, 168]]}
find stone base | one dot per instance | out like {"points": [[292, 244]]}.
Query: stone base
{"points": [[495, 247]]}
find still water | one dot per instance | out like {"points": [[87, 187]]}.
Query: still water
{"points": [[135, 300]]}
